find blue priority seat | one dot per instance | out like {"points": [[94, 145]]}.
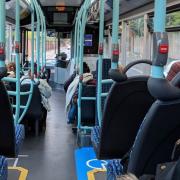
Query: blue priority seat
{"points": [[96, 135], [20, 134], [11, 136], [114, 169], [3, 168]]}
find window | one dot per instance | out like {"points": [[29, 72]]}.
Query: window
{"points": [[51, 48], [65, 45], [134, 39], [9, 42]]}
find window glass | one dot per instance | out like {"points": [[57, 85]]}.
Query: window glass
{"points": [[51, 47], [134, 39], [65, 46], [9, 42], [135, 46], [173, 19]]}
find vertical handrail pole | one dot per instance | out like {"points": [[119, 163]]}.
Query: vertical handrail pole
{"points": [[17, 51], [100, 59], [2, 38], [81, 57], [32, 40], [159, 27], [37, 38], [115, 32]]}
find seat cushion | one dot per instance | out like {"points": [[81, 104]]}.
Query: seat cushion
{"points": [[20, 134], [114, 169], [95, 136], [3, 168]]}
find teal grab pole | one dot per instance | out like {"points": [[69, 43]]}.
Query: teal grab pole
{"points": [[80, 83], [160, 16], [80, 65], [84, 19], [42, 36], [101, 46], [78, 44], [18, 93], [75, 39], [32, 39], [17, 51], [37, 38], [115, 29], [43, 25], [2, 33], [32, 67], [41, 42], [28, 102], [30, 92], [44, 41], [78, 37], [159, 26]]}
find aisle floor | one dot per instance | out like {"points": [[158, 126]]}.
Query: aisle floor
{"points": [[50, 156]]}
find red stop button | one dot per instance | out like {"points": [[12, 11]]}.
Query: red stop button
{"points": [[1, 50], [163, 48]]}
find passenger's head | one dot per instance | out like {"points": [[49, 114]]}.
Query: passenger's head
{"points": [[127, 177], [11, 67], [120, 68], [86, 68], [35, 71], [175, 69]]}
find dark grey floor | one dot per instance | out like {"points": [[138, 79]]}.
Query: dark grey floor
{"points": [[51, 156]]}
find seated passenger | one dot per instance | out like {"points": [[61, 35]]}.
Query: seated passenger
{"points": [[26, 64], [71, 78], [43, 86], [11, 69], [11, 72], [72, 92], [69, 81]]}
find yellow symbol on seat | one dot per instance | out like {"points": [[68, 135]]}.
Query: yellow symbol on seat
{"points": [[91, 174], [23, 172]]}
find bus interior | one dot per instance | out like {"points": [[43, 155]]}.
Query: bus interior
{"points": [[89, 90]]}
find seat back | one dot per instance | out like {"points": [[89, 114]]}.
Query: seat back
{"points": [[7, 130], [156, 138], [106, 65], [35, 109], [125, 108], [88, 107]]}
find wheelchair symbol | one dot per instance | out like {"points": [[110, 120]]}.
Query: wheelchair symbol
{"points": [[96, 164]]}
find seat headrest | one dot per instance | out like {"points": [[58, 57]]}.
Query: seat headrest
{"points": [[117, 76], [163, 90], [176, 80], [3, 72]]}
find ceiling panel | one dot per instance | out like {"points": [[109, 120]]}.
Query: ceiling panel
{"points": [[61, 2]]}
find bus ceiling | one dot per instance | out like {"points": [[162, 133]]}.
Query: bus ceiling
{"points": [[72, 3]]}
